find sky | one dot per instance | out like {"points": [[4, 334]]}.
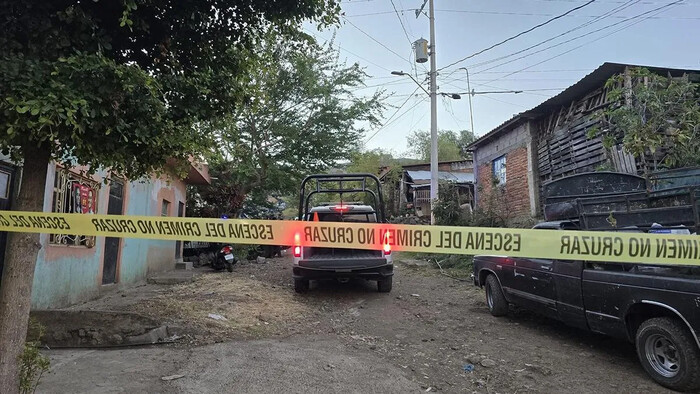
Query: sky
{"points": [[378, 34]]}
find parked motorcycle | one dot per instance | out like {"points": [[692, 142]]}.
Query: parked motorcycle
{"points": [[224, 259]]}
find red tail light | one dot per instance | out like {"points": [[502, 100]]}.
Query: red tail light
{"points": [[387, 245], [226, 249], [296, 250]]}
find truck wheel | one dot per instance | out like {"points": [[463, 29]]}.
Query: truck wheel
{"points": [[384, 285], [301, 285], [496, 301], [669, 353]]}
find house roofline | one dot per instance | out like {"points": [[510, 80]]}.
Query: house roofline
{"points": [[573, 92], [440, 162]]}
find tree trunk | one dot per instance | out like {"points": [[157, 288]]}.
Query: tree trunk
{"points": [[20, 259]]}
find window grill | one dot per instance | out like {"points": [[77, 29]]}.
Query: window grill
{"points": [[73, 193]]}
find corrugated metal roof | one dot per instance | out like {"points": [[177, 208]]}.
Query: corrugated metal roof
{"points": [[457, 177], [595, 79]]}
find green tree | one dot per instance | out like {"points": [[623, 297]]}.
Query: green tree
{"points": [[371, 161], [451, 145], [120, 85], [652, 114], [300, 117]]}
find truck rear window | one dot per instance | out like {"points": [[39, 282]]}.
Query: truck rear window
{"points": [[348, 217]]}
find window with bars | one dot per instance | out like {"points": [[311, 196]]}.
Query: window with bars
{"points": [[73, 193], [499, 170]]}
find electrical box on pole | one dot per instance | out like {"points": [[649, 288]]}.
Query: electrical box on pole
{"points": [[420, 46]]}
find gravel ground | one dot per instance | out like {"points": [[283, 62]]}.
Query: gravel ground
{"points": [[345, 338]]}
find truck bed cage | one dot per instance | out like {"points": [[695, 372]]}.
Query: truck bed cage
{"points": [[336, 181], [671, 208]]}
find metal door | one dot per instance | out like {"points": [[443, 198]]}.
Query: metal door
{"points": [[532, 282], [112, 245], [7, 175], [567, 283]]}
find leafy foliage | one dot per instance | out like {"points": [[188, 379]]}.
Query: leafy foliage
{"points": [[371, 161], [100, 83], [300, 116], [451, 145], [119, 85], [32, 363], [493, 209], [652, 114]]}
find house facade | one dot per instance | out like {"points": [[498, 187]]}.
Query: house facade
{"points": [[76, 268], [412, 190], [552, 141]]}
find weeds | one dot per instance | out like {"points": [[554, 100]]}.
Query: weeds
{"points": [[32, 363]]}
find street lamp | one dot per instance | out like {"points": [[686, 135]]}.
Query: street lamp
{"points": [[403, 74], [454, 96]]}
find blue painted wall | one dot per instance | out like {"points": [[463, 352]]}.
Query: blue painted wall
{"points": [[67, 275]]}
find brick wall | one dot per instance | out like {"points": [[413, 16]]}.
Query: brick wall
{"points": [[514, 195]]}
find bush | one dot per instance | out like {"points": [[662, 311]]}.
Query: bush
{"points": [[32, 363], [493, 211]]}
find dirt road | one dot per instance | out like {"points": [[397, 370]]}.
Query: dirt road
{"points": [[346, 338]]}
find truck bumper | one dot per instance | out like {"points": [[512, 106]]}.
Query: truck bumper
{"points": [[373, 273]]}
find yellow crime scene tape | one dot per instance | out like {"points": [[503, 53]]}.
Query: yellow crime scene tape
{"points": [[601, 246]]}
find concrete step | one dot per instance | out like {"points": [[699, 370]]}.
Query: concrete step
{"points": [[183, 265]]}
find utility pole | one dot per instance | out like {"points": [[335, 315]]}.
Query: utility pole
{"points": [[471, 111], [433, 117]]}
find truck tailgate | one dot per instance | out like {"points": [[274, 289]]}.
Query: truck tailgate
{"points": [[341, 259]]}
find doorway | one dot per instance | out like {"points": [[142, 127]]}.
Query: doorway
{"points": [[7, 179], [112, 244]]}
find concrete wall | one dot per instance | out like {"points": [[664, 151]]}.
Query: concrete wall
{"points": [[516, 194], [67, 275]]}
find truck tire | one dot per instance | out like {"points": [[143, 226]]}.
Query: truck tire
{"points": [[301, 285], [669, 353], [384, 285], [496, 301]]}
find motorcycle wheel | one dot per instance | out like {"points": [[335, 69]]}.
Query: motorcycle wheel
{"points": [[229, 267]]}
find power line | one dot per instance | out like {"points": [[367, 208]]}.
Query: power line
{"points": [[542, 14], [558, 44], [377, 41], [538, 71], [392, 115], [397, 118], [393, 83], [509, 13], [372, 13], [506, 102], [628, 4], [401, 22], [659, 9], [411, 129], [606, 2], [348, 51], [519, 34]]}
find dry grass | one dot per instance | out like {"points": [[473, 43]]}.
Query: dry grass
{"points": [[252, 308]]}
